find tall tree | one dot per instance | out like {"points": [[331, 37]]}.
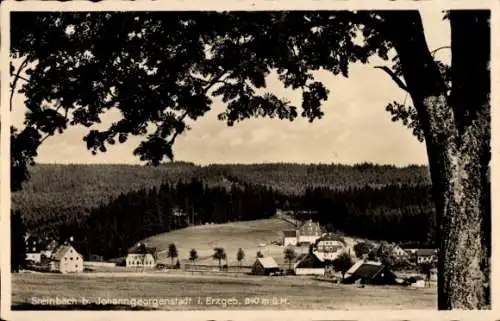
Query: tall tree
{"points": [[219, 255], [161, 68], [342, 263], [193, 256], [290, 255], [172, 252], [240, 256]]}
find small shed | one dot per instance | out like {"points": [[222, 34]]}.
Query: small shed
{"points": [[265, 266], [368, 272]]}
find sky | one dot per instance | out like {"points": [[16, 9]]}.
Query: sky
{"points": [[355, 128]]}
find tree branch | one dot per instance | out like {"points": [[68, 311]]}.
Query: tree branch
{"points": [[16, 78], [183, 116], [394, 77], [440, 48]]}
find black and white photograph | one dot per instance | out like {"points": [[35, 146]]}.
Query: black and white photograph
{"points": [[169, 160]]}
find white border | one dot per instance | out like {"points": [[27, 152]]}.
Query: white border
{"points": [[240, 5]]}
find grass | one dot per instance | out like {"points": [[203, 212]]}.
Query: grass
{"points": [[230, 236], [227, 292]]}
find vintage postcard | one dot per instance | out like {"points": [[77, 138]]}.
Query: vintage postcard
{"points": [[239, 160]]}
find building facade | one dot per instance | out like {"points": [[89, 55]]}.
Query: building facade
{"points": [[140, 260], [65, 259], [309, 233], [290, 238]]}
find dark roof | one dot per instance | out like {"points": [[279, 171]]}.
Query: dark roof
{"points": [[289, 233], [412, 246], [309, 261], [426, 252], [300, 257], [144, 250]]}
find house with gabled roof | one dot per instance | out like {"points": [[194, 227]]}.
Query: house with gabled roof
{"points": [[65, 259], [265, 266], [426, 256], [369, 272], [142, 256], [309, 264], [309, 233]]}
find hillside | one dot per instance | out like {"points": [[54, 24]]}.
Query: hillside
{"points": [[248, 235], [81, 187]]}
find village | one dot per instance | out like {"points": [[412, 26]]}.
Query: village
{"points": [[304, 250]]}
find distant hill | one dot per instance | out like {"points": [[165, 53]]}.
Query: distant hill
{"points": [[55, 189]]}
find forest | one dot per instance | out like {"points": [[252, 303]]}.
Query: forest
{"points": [[108, 208]]}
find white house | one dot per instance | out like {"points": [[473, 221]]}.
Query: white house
{"points": [[140, 260], [66, 259], [399, 252], [290, 238], [329, 247], [309, 232], [426, 256], [34, 257]]}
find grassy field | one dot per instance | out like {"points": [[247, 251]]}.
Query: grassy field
{"points": [[231, 236], [188, 292]]}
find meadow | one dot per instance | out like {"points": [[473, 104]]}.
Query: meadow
{"points": [[249, 236], [166, 291]]}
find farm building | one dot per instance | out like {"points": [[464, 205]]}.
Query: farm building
{"points": [[289, 238], [265, 266], [425, 256], [329, 246], [309, 232], [309, 264], [368, 272], [66, 259]]}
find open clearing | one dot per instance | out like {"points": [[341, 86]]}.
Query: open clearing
{"points": [[230, 236], [192, 292]]}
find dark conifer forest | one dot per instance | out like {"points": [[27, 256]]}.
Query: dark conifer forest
{"points": [[108, 208]]}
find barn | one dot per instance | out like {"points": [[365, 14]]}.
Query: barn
{"points": [[368, 272], [309, 264], [265, 266]]}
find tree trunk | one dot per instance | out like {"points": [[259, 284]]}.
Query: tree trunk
{"points": [[457, 135]]}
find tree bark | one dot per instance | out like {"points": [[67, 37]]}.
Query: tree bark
{"points": [[457, 135]]}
